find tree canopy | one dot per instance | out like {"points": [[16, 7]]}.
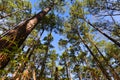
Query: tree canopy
{"points": [[59, 40]]}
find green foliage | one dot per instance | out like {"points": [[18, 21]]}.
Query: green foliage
{"points": [[58, 4], [112, 51], [73, 31], [62, 42]]}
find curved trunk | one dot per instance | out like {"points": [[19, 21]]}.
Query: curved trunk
{"points": [[14, 38]]}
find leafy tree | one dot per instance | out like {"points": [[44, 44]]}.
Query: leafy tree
{"points": [[17, 36], [66, 40]]}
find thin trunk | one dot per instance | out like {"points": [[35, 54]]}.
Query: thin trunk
{"points": [[22, 66], [34, 75], [25, 75], [43, 64], [79, 76], [88, 65], [97, 61], [15, 37], [94, 76], [4, 59], [45, 58], [70, 77], [56, 74], [115, 75], [67, 71], [110, 38], [28, 55], [52, 70]]}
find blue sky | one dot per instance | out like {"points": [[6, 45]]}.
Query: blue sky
{"points": [[33, 5], [56, 36]]}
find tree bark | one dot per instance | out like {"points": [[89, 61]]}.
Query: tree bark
{"points": [[34, 75], [97, 61], [45, 58], [115, 75], [43, 64], [29, 53], [110, 38], [67, 71], [15, 37], [79, 76], [56, 74]]}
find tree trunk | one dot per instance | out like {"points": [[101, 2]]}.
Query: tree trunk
{"points": [[43, 64], [94, 76], [34, 75], [45, 58], [67, 71], [110, 38], [97, 61], [14, 38], [115, 75], [79, 76], [22, 66], [29, 53], [52, 70], [56, 74], [4, 59], [70, 77]]}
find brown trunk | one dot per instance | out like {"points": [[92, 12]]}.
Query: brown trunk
{"points": [[45, 58], [70, 75], [97, 61], [115, 75], [28, 55], [94, 75], [34, 75], [79, 76], [43, 65], [14, 38], [4, 59], [110, 38], [22, 66], [67, 71], [56, 74]]}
